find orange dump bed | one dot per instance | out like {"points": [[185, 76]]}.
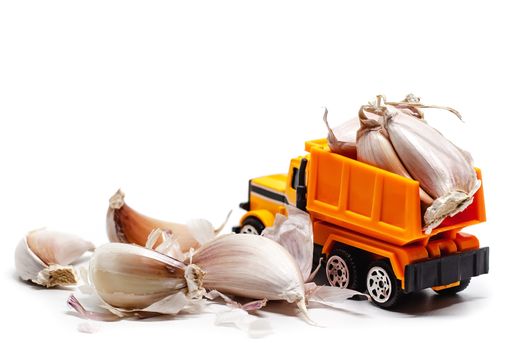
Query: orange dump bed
{"points": [[372, 201]]}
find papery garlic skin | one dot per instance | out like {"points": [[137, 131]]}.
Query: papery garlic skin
{"points": [[130, 277], [342, 139], [126, 225], [295, 233], [42, 257], [250, 266], [27, 264]]}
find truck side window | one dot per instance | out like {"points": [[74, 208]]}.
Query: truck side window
{"points": [[295, 178]]}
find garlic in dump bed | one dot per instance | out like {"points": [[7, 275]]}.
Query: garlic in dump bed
{"points": [[342, 139], [126, 225], [374, 148], [441, 168], [43, 257]]}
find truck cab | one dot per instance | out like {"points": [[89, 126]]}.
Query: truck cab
{"points": [[367, 226], [268, 195]]}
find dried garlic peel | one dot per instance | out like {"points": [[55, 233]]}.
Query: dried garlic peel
{"points": [[295, 234], [43, 256], [342, 139]]}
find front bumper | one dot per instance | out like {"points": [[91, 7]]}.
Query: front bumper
{"points": [[446, 270]]}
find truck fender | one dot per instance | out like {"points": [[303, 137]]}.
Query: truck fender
{"points": [[265, 216]]}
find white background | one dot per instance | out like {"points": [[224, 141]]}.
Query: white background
{"points": [[180, 103]]}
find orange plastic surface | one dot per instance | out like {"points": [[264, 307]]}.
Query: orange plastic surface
{"points": [[374, 202]]}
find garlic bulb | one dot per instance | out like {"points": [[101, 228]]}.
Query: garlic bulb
{"points": [[250, 266], [43, 256], [126, 225], [374, 148], [441, 168]]}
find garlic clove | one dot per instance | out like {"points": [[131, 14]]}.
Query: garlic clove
{"points": [[441, 168], [125, 225], [295, 234], [131, 277], [42, 257], [250, 266]]}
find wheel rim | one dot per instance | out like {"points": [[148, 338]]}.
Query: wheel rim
{"points": [[249, 229], [337, 272], [378, 284]]}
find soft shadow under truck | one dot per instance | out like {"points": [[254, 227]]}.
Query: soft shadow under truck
{"points": [[367, 226]]}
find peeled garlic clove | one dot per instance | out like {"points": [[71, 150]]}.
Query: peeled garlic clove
{"points": [[125, 225], [130, 277], [441, 168], [374, 148], [250, 266], [42, 257], [294, 232]]}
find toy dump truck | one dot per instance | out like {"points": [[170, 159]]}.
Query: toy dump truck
{"points": [[367, 226]]}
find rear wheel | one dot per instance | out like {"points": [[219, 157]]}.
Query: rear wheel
{"points": [[341, 270], [382, 285], [463, 284], [252, 225]]}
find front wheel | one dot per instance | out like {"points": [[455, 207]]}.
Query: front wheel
{"points": [[382, 285], [253, 226]]}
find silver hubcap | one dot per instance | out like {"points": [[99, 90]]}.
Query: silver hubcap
{"points": [[249, 229], [337, 272], [378, 284]]}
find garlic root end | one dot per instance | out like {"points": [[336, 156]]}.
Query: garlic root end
{"points": [[117, 200], [57, 275]]}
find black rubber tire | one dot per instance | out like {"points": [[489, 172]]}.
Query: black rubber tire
{"points": [[353, 271], [255, 223], [463, 284], [395, 285]]}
